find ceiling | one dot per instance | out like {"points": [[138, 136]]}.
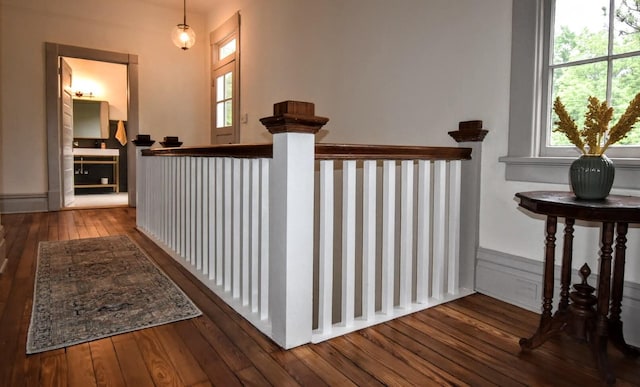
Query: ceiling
{"points": [[199, 6]]}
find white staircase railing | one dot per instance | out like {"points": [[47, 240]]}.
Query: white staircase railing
{"points": [[310, 241], [397, 251], [212, 215]]}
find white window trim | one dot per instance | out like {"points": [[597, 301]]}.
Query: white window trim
{"points": [[523, 162]]}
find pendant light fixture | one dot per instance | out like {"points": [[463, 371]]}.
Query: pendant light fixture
{"points": [[182, 34]]}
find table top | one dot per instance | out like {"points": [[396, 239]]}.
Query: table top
{"points": [[95, 152], [614, 208]]}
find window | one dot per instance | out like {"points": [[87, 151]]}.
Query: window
{"points": [[225, 94], [227, 49], [551, 49], [224, 100], [594, 50]]}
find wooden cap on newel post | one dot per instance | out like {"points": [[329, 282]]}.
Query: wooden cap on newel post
{"points": [[469, 131], [294, 117]]}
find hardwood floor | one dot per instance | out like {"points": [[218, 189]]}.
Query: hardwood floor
{"points": [[472, 341]]}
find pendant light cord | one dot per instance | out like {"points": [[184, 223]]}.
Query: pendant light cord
{"points": [[184, 12]]}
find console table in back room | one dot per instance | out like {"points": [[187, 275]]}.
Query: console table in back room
{"points": [[575, 314]]}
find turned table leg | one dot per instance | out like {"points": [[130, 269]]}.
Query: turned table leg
{"points": [[615, 323], [567, 254], [547, 328], [600, 338]]}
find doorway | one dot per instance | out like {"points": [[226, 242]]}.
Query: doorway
{"points": [[55, 144], [99, 121]]}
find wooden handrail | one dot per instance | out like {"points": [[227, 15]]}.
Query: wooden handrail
{"points": [[323, 152], [389, 152], [299, 117], [222, 150]]}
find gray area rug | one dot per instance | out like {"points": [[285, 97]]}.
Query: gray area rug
{"points": [[87, 289]]}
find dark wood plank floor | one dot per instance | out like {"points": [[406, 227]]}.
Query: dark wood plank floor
{"points": [[472, 341]]}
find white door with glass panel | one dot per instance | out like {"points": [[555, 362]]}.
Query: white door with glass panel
{"points": [[224, 125]]}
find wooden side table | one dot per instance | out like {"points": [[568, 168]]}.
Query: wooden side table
{"points": [[577, 317]]}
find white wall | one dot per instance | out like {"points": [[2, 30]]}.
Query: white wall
{"points": [[173, 83], [402, 72], [384, 72], [101, 81]]}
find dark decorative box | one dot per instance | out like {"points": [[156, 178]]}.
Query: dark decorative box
{"points": [[171, 142], [143, 140]]}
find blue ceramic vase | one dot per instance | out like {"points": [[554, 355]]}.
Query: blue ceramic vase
{"points": [[592, 177]]}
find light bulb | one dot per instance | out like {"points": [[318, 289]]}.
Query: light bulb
{"points": [[183, 36]]}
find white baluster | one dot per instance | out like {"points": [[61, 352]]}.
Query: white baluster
{"points": [[220, 221], [246, 207], [453, 233], [180, 206], [406, 234], [188, 220], [423, 275], [211, 218], [170, 204], [151, 201], [228, 212], [265, 165], [369, 221], [169, 183], [162, 199], [174, 203], [144, 189], [325, 267], [200, 211], [196, 239], [255, 236], [388, 234], [237, 226], [348, 241], [439, 224]]}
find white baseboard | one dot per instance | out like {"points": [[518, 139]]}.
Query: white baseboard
{"points": [[19, 203], [518, 281]]}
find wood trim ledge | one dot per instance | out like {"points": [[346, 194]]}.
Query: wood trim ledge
{"points": [[323, 152]]}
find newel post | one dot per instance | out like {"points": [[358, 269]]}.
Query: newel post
{"points": [[469, 135], [293, 126], [142, 142]]}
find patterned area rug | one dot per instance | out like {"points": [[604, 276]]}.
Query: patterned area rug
{"points": [[87, 289]]}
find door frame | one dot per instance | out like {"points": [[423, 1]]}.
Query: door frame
{"points": [[54, 139]]}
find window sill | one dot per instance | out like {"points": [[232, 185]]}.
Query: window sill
{"points": [[556, 170]]}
